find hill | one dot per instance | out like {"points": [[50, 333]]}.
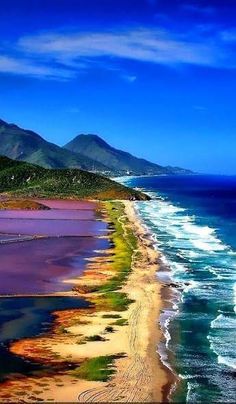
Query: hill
{"points": [[26, 145], [87, 152], [28, 180], [118, 161]]}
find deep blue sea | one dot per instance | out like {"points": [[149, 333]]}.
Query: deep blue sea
{"points": [[193, 223]]}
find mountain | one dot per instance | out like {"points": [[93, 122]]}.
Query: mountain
{"points": [[25, 145], [27, 180], [118, 161], [87, 152]]}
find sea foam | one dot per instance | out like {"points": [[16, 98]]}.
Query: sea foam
{"points": [[203, 268]]}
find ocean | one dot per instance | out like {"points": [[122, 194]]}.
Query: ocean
{"points": [[192, 220]]}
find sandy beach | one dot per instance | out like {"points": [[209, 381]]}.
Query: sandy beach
{"points": [[129, 336]]}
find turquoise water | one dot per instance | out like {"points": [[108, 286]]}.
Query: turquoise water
{"points": [[192, 220]]}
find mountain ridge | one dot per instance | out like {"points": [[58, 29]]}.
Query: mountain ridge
{"points": [[87, 152], [26, 145], [93, 146]]}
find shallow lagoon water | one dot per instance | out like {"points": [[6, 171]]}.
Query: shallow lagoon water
{"points": [[22, 317], [52, 227], [40, 266], [57, 214]]}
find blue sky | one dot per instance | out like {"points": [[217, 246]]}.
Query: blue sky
{"points": [[154, 77]]}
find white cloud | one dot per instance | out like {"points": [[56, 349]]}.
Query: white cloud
{"points": [[130, 79], [141, 44], [26, 67], [61, 55]]}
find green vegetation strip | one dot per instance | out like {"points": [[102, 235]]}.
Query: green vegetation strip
{"points": [[125, 243], [96, 369]]}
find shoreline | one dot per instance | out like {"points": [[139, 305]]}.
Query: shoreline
{"points": [[156, 333], [131, 346], [168, 300]]}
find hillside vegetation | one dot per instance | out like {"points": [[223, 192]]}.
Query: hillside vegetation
{"points": [[28, 180]]}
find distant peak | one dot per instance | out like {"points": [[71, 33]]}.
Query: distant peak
{"points": [[91, 137], [88, 135]]}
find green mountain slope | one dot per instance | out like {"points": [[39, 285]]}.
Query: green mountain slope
{"points": [[87, 152], [25, 145], [28, 180], [92, 146]]}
